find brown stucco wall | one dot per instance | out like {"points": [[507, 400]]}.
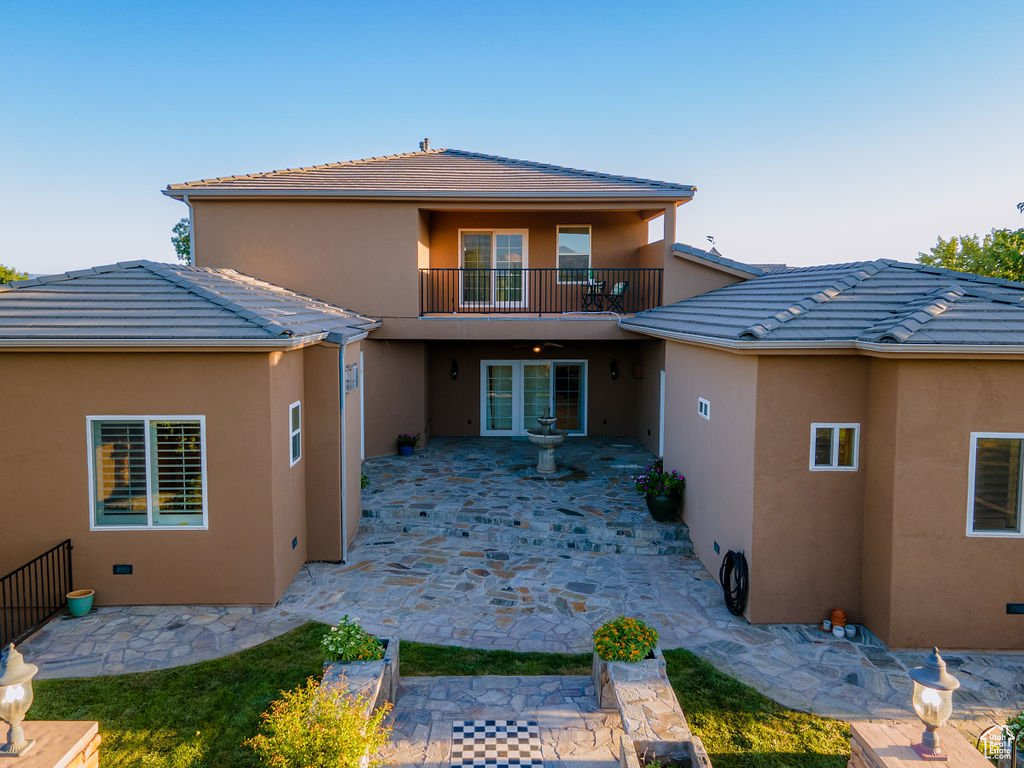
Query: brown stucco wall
{"points": [[289, 482], [359, 255], [615, 235], [648, 401], [43, 444], [322, 438], [716, 456], [454, 407], [947, 587], [395, 395], [685, 278], [878, 456], [807, 525]]}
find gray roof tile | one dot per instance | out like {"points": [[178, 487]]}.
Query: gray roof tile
{"points": [[439, 172], [885, 302], [714, 257], [147, 301]]}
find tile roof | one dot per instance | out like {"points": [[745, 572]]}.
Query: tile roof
{"points": [[148, 302], [864, 304], [713, 257], [437, 173]]}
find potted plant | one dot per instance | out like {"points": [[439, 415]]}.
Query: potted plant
{"points": [[407, 444], [347, 642], [662, 490], [630, 644], [80, 602]]}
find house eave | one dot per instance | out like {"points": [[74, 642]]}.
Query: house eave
{"points": [[165, 344], [876, 349], [179, 193]]}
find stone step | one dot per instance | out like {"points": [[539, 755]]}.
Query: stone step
{"points": [[664, 540], [556, 520]]}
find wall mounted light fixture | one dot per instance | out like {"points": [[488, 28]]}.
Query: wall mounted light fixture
{"points": [[613, 369], [454, 370]]}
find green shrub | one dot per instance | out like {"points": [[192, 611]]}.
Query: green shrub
{"points": [[1016, 724], [625, 639], [350, 642], [315, 726]]}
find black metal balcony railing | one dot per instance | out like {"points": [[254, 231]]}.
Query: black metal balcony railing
{"points": [[538, 291], [31, 594]]}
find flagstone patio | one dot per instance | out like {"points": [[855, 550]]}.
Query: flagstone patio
{"points": [[437, 568]]}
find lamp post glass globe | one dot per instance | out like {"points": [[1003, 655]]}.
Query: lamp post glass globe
{"points": [[933, 702], [15, 700]]}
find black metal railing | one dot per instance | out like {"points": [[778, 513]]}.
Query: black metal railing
{"points": [[538, 291], [31, 594]]}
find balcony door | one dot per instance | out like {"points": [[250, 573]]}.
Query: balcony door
{"points": [[513, 393], [492, 263]]}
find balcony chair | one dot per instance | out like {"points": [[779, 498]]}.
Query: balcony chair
{"points": [[615, 298]]}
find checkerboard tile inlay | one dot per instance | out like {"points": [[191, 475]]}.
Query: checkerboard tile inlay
{"points": [[496, 744]]}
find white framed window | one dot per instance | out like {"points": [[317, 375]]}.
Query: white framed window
{"points": [[295, 432], [994, 484], [492, 262], [834, 447], [704, 408], [573, 253], [147, 472]]}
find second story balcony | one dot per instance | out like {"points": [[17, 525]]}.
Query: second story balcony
{"points": [[538, 291]]}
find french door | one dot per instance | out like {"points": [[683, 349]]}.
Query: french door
{"points": [[514, 393], [492, 264]]}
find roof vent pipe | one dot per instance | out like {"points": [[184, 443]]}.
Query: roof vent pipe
{"points": [[425, 145]]}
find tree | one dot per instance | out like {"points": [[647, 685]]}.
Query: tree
{"points": [[10, 274], [181, 239], [999, 254]]}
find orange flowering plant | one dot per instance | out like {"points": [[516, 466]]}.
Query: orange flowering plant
{"points": [[625, 639]]}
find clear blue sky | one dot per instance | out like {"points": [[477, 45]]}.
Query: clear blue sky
{"points": [[815, 132]]}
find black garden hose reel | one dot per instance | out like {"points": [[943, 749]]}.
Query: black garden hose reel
{"points": [[734, 577]]}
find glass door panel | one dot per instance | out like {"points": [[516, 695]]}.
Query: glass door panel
{"points": [[569, 396], [476, 267], [498, 397], [514, 393], [536, 393], [508, 269]]}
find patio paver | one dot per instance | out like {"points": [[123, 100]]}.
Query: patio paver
{"points": [[573, 731], [473, 592]]}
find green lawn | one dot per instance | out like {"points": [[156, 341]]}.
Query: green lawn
{"points": [[199, 715]]}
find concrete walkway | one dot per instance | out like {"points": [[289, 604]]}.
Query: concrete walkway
{"points": [[573, 732], [431, 589], [473, 588]]}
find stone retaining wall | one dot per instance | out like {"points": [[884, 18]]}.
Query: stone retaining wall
{"points": [[377, 681], [652, 720]]}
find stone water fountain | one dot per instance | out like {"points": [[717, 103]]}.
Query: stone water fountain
{"points": [[546, 438]]}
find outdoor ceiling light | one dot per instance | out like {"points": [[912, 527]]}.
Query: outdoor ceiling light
{"points": [[933, 702], [454, 370], [15, 699], [613, 369], [537, 349]]}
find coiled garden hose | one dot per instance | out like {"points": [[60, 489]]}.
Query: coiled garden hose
{"points": [[734, 577]]}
